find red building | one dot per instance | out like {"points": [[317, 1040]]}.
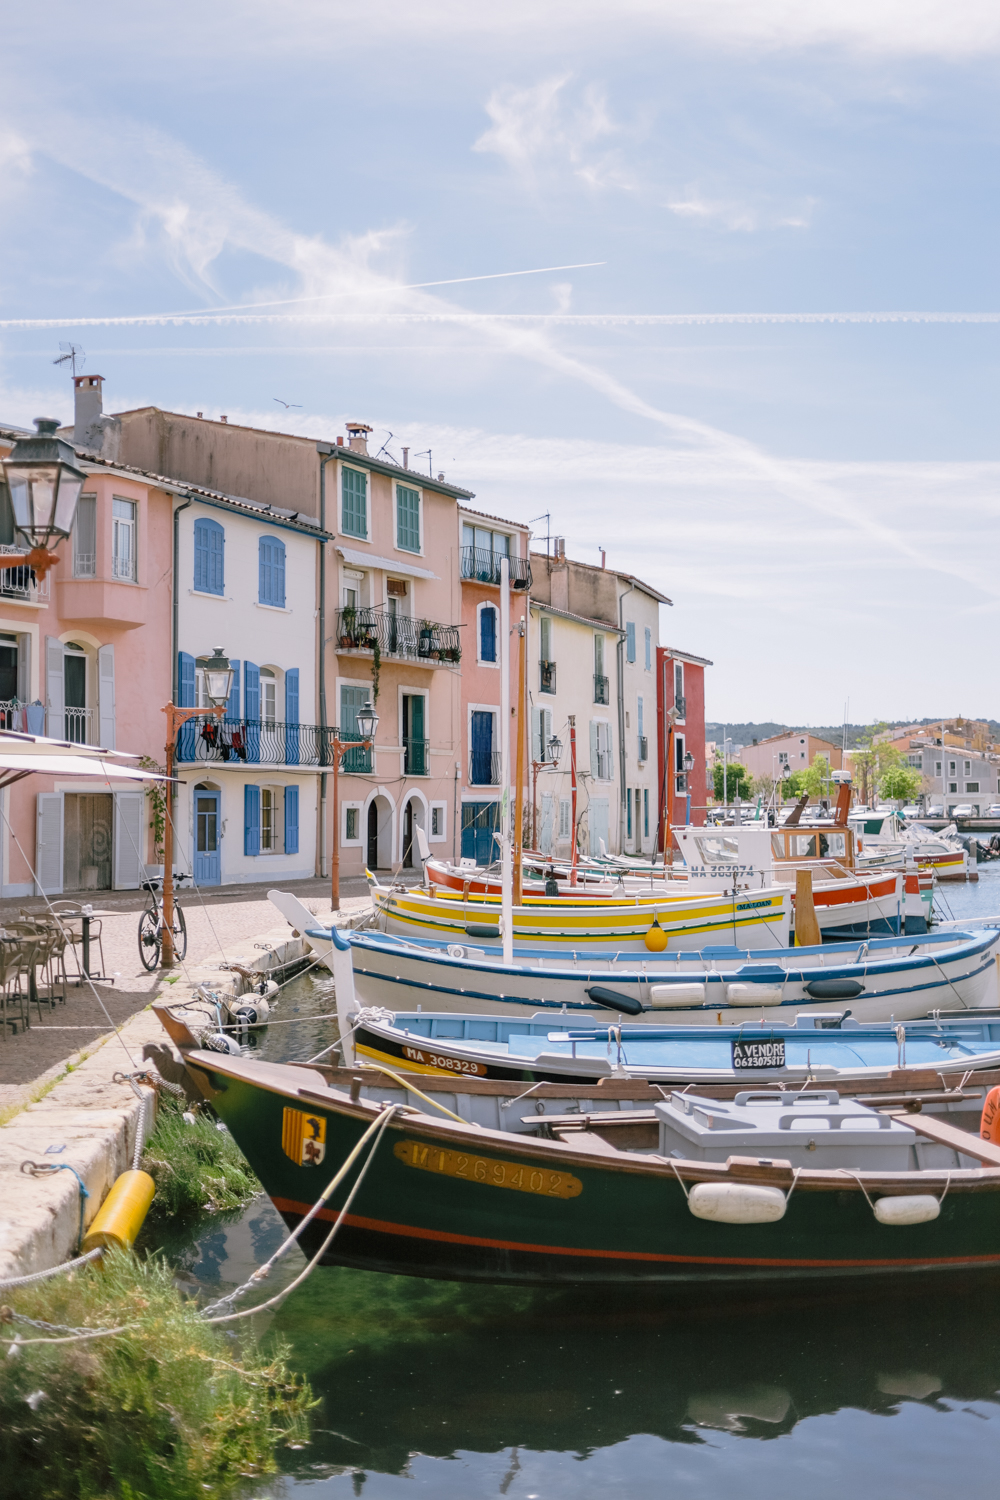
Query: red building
{"points": [[680, 725]]}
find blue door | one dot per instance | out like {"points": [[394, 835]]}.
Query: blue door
{"points": [[479, 822], [207, 838]]}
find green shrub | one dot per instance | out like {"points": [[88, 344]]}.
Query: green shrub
{"points": [[173, 1408], [195, 1166]]}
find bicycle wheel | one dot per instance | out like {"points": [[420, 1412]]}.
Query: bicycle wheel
{"points": [[180, 935], [149, 938]]}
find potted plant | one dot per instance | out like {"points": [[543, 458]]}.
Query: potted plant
{"points": [[348, 625], [426, 638]]}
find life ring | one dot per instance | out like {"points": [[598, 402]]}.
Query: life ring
{"points": [[989, 1123]]}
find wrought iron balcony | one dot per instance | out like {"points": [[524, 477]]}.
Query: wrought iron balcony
{"points": [[480, 565], [259, 742], [484, 768], [21, 582], [27, 718], [546, 676], [601, 689], [397, 636], [416, 757]]}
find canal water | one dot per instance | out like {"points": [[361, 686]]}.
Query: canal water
{"points": [[460, 1392]]}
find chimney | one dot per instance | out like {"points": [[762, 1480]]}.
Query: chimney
{"points": [[559, 575], [559, 546], [88, 408], [604, 557], [357, 436], [406, 458], [223, 419], [92, 430], [340, 442]]}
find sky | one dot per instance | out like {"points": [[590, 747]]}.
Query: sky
{"points": [[711, 285]]}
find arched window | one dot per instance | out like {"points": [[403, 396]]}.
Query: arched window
{"points": [[209, 557], [272, 571], [487, 633]]}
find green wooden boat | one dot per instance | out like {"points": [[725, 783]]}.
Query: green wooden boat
{"points": [[513, 1192]]}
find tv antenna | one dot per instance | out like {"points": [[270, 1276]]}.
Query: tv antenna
{"points": [[72, 354], [430, 464], [385, 448]]}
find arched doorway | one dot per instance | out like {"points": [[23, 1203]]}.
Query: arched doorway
{"points": [[372, 850]]}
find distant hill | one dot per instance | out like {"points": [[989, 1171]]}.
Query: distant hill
{"points": [[745, 734]]}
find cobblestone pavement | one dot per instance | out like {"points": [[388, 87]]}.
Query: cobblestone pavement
{"points": [[224, 920]]}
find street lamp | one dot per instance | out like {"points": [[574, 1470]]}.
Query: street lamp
{"points": [[218, 685], [689, 763], [367, 722], [44, 485]]}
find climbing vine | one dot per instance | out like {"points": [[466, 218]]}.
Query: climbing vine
{"points": [[376, 667], [156, 795]]}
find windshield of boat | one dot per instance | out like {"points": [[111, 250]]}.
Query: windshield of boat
{"points": [[719, 850]]}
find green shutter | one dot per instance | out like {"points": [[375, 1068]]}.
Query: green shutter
{"points": [[407, 518], [354, 509]]}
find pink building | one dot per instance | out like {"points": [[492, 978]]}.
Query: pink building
{"points": [[84, 656], [484, 541]]}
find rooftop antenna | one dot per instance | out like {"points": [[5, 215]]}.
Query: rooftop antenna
{"points": [[385, 448], [546, 516], [430, 465], [72, 354]]}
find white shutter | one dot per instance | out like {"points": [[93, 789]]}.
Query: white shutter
{"points": [[24, 667], [536, 733], [130, 839], [106, 697], [49, 843], [545, 832], [55, 689]]}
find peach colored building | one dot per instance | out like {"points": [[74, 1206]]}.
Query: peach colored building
{"points": [[83, 657], [797, 751]]}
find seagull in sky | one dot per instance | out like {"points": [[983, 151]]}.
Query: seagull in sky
{"points": [[287, 404]]}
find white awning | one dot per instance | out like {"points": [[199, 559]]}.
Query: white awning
{"points": [[75, 765], [391, 565], [38, 745]]}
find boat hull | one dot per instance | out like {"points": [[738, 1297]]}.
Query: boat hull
{"points": [[450, 1202]]}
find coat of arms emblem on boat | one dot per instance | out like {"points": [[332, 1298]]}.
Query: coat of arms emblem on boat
{"points": [[303, 1137]]}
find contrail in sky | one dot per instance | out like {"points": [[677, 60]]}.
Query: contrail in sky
{"points": [[579, 320]]}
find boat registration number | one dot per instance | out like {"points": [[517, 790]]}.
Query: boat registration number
{"points": [[520, 1176], [702, 872], [441, 1060], [767, 1053]]}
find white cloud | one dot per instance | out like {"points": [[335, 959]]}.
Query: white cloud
{"points": [[541, 130], [744, 216]]}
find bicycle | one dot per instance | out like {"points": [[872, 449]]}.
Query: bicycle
{"points": [[151, 926]]}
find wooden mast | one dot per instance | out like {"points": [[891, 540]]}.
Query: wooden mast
{"points": [[519, 773]]}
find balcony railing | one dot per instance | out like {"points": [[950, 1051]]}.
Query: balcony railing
{"points": [[21, 582], [256, 742], [416, 757], [483, 566], [25, 718], [397, 635], [546, 676], [601, 693], [484, 768]]}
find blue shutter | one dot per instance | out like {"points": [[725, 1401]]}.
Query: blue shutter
{"points": [[185, 699], [292, 719], [630, 640], [233, 702], [209, 557], [252, 710], [291, 820], [264, 570], [251, 819], [488, 633], [649, 654], [278, 572]]}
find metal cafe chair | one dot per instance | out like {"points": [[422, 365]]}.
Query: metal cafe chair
{"points": [[71, 917]]}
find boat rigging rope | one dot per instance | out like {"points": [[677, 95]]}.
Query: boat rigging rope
{"points": [[69, 1265], [377, 1128], [381, 1068]]}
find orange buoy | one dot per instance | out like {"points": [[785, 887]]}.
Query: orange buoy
{"points": [[989, 1123]]}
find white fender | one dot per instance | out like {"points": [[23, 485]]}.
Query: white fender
{"points": [[753, 994], [676, 996], [736, 1203], [912, 1208]]}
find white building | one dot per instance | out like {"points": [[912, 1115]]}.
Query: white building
{"points": [[246, 582]]}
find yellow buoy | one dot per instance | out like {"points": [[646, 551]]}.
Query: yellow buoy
{"points": [[656, 938], [121, 1215]]}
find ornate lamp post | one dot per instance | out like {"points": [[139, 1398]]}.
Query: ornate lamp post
{"points": [[44, 485], [688, 768], [218, 685], [367, 722]]}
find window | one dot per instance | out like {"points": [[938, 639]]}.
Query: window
{"points": [[407, 518], [268, 697], [967, 768], [630, 640], [679, 703], [638, 835], [354, 503], [782, 757], [123, 549], [271, 571], [271, 809], [972, 786], [952, 767], [85, 538], [639, 717], [546, 666], [937, 768], [602, 751], [541, 733], [649, 649], [351, 700], [437, 822], [75, 693], [545, 638], [598, 656], [481, 552], [953, 786], [628, 812], [351, 824], [209, 557], [487, 633], [914, 760], [565, 817], [645, 812]]}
